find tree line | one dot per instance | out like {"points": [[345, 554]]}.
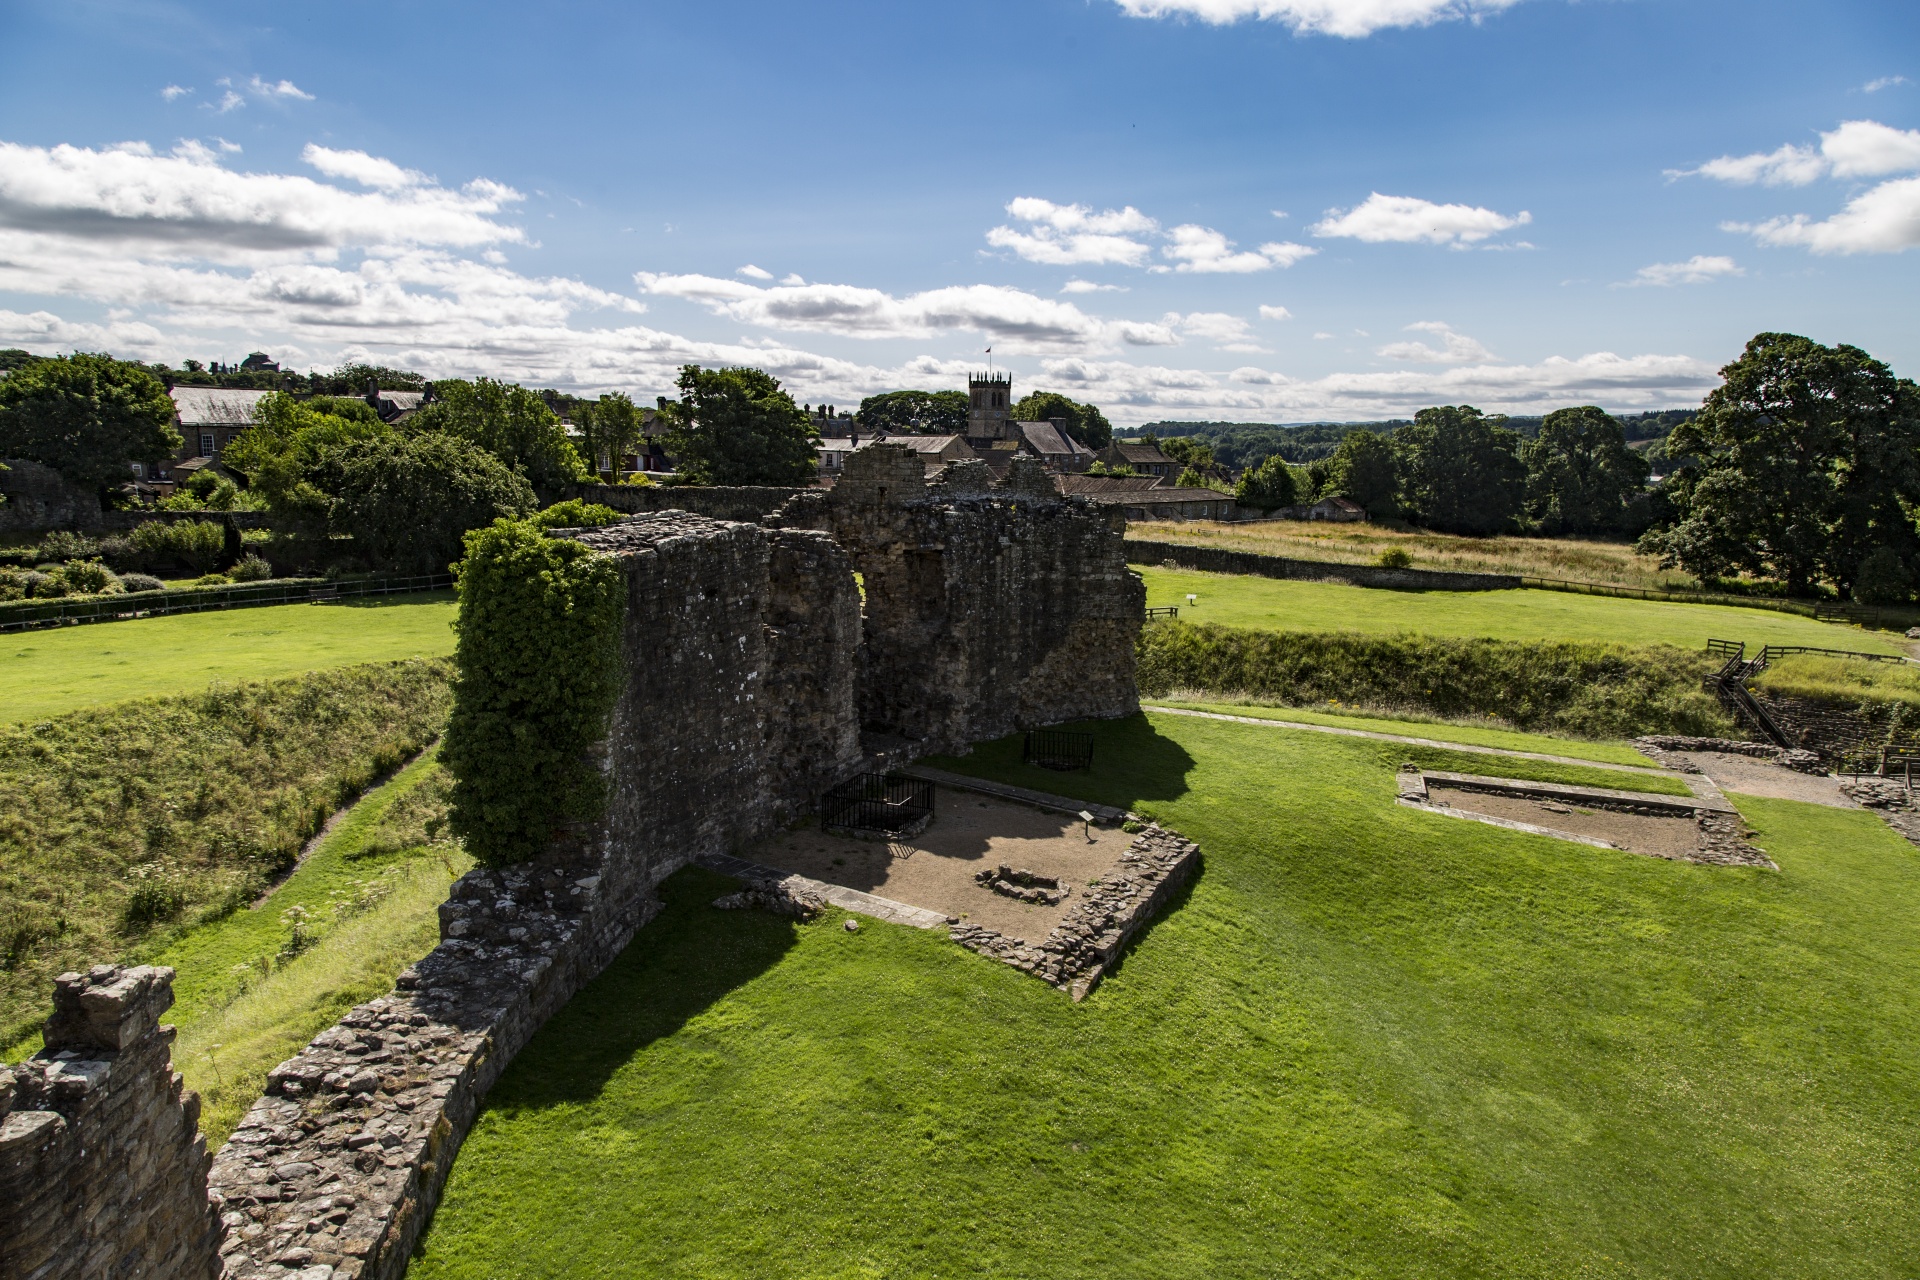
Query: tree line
{"points": [[944, 413]]}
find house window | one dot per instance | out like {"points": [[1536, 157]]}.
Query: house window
{"points": [[206, 444], [139, 472]]}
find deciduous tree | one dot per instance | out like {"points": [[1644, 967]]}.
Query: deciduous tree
{"points": [[409, 500], [89, 417], [1085, 422], [1269, 485], [938, 413], [1580, 473], [1460, 470], [510, 422], [736, 426]]}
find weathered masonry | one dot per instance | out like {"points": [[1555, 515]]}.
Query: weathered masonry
{"points": [[755, 680]]}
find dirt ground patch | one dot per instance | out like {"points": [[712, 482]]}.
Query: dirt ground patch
{"points": [[935, 869], [1754, 777], [1660, 837]]}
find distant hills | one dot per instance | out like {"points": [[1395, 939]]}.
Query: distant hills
{"points": [[1247, 444]]}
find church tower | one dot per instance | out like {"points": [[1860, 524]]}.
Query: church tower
{"points": [[990, 406]]}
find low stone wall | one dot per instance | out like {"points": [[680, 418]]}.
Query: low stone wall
{"points": [[1083, 946], [719, 502], [103, 1171], [1222, 560]]}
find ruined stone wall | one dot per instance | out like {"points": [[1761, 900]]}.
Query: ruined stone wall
{"points": [[987, 610], [39, 498], [1223, 560], [103, 1171], [746, 502], [748, 674]]}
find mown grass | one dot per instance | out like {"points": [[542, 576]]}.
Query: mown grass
{"points": [[1368, 1042], [1578, 559], [1470, 733], [1809, 675], [365, 900], [1283, 605], [125, 826], [1587, 688], [62, 669]]}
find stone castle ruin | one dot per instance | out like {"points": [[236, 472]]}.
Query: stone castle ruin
{"points": [[760, 672]]}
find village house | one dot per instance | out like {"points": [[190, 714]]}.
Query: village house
{"points": [[1141, 459], [210, 419]]}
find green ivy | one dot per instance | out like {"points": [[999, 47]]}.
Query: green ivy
{"points": [[539, 672]]}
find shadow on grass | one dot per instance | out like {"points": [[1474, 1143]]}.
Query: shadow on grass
{"points": [[1131, 762], [392, 601], [687, 958]]}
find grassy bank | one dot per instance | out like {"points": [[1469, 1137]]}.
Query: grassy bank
{"points": [[1467, 732], [1367, 1042], [61, 669], [1584, 688], [1243, 601], [255, 986], [1809, 675], [127, 825]]}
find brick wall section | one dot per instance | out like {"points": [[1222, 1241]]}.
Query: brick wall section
{"points": [[103, 1171], [1221, 560]]}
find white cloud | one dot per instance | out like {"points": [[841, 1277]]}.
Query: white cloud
{"points": [[1322, 337], [1320, 17], [1275, 313], [1883, 220], [173, 91], [1884, 82], [1215, 326], [1065, 234], [358, 166], [1699, 269], [229, 101], [127, 194], [792, 277], [1455, 348], [753, 273], [1857, 149], [854, 311], [277, 89], [1409, 220], [235, 96], [1088, 286], [1202, 249]]}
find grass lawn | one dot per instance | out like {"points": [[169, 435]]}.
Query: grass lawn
{"points": [[1439, 730], [1367, 1042], [367, 898], [45, 673], [1811, 675], [1279, 605]]}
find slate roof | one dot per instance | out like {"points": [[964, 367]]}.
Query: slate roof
{"points": [[1050, 441], [215, 406]]}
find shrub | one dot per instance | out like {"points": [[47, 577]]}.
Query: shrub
{"points": [[43, 585], [1267, 486], [195, 544], [1583, 687], [13, 584], [1883, 578], [1395, 558], [119, 553], [153, 899], [250, 568], [539, 661], [641, 479], [63, 545], [88, 577], [141, 582], [575, 514], [409, 500], [212, 580]]}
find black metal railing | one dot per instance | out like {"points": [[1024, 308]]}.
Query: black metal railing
{"points": [[1058, 749], [887, 802], [27, 615]]}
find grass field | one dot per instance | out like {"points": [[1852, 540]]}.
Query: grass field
{"points": [[1439, 730], [1579, 559], [1280, 605], [45, 673], [1367, 1042]]}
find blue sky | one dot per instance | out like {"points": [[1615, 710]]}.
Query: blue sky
{"points": [[1265, 210]]}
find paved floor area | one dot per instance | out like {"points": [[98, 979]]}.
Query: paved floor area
{"points": [[1754, 777], [935, 869], [1674, 837]]}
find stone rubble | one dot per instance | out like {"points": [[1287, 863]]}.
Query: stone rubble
{"points": [[1023, 885], [1660, 748], [1890, 798], [1085, 944], [777, 896]]}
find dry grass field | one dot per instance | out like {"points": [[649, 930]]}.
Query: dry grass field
{"points": [[1580, 559]]}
